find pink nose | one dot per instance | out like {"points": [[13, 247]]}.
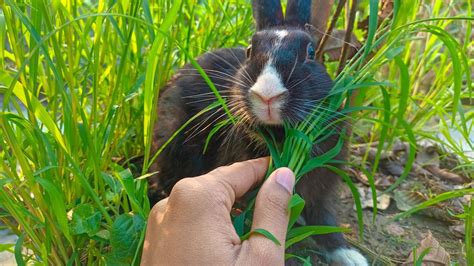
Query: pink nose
{"points": [[265, 98]]}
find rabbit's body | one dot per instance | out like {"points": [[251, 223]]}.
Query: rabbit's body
{"points": [[179, 102], [276, 79]]}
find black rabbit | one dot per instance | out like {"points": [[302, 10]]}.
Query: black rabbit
{"points": [[275, 79]]}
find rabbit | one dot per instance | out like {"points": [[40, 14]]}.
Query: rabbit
{"points": [[275, 79]]}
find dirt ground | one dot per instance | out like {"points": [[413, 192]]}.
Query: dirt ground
{"points": [[387, 241], [390, 241]]}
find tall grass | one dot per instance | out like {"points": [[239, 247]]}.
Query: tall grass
{"points": [[80, 79]]}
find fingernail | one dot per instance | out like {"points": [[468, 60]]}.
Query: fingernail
{"points": [[285, 177]]}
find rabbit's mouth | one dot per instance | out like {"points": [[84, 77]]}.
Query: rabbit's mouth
{"points": [[268, 113]]}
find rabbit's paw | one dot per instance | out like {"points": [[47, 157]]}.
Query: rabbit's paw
{"points": [[347, 257]]}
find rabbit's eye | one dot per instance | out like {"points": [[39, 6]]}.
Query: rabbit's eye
{"points": [[310, 52], [248, 51]]}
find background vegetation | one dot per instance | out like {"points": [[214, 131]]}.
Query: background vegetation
{"points": [[80, 79]]}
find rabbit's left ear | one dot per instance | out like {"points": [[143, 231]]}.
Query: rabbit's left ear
{"points": [[298, 13]]}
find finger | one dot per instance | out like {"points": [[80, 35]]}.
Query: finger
{"points": [[271, 211], [235, 180]]}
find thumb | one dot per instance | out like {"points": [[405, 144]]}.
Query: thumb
{"points": [[271, 211]]}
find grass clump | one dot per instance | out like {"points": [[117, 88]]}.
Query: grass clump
{"points": [[79, 82]]}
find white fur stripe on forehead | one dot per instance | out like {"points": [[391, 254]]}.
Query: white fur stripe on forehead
{"points": [[269, 82], [280, 35]]}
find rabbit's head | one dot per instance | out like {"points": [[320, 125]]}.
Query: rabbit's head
{"points": [[280, 79]]}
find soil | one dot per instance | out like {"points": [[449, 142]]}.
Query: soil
{"points": [[386, 241]]}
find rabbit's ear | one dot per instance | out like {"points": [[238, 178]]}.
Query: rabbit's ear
{"points": [[298, 13], [267, 13]]}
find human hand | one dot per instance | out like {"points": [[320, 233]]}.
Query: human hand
{"points": [[193, 225]]}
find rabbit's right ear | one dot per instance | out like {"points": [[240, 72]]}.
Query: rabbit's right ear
{"points": [[267, 13]]}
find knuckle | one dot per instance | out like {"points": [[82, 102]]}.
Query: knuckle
{"points": [[217, 173], [221, 198], [221, 192], [191, 191], [184, 189], [158, 207]]}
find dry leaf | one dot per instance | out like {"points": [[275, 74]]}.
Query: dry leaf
{"points": [[406, 200], [446, 175], [395, 229], [383, 181], [437, 255], [458, 231], [383, 200], [427, 153]]}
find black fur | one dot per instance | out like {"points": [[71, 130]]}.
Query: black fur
{"points": [[233, 74], [267, 13], [298, 12]]}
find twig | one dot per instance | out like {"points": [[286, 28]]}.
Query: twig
{"points": [[327, 34], [347, 38], [376, 257]]}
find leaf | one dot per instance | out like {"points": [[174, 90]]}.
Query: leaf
{"points": [[316, 230], [125, 237], [6, 247], [126, 179], [2, 38], [431, 253], [214, 130], [355, 195], [18, 250], [404, 88], [272, 147], [181, 128], [306, 261], [37, 108], [373, 17], [263, 232], [296, 206], [298, 234], [150, 94], [56, 200], [411, 156], [324, 158], [113, 183], [85, 220]]}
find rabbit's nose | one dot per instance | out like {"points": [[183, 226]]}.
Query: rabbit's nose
{"points": [[267, 98]]}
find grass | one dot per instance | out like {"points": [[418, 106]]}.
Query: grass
{"points": [[80, 81]]}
